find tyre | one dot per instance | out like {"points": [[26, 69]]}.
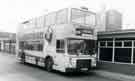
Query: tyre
{"points": [[49, 64]]}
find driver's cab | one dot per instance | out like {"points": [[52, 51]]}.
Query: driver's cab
{"points": [[80, 47], [75, 47]]}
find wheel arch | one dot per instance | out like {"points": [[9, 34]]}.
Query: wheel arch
{"points": [[48, 57]]}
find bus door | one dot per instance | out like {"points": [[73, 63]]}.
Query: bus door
{"points": [[60, 51]]}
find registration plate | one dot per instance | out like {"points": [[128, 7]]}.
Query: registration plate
{"points": [[84, 69]]}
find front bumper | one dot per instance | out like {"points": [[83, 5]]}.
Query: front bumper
{"points": [[81, 65], [77, 69]]}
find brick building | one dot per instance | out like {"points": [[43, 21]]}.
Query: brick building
{"points": [[7, 42]]}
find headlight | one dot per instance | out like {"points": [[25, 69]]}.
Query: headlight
{"points": [[72, 62], [94, 62], [94, 55]]}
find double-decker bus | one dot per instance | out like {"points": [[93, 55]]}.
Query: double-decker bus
{"points": [[63, 40]]}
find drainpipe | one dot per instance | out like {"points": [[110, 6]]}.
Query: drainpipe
{"points": [[132, 53], [113, 52]]}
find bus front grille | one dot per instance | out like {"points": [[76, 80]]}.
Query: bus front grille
{"points": [[83, 63]]}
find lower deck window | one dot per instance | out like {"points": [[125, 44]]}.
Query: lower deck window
{"points": [[32, 45], [60, 46]]}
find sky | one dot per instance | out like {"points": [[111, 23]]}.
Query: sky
{"points": [[13, 12]]}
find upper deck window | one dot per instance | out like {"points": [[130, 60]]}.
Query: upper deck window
{"points": [[62, 16], [82, 17]]}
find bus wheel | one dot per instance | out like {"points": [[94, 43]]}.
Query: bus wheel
{"points": [[49, 64]]}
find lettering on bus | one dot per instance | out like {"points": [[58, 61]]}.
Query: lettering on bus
{"points": [[82, 32]]}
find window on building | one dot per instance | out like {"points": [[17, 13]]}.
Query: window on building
{"points": [[109, 43], [134, 56], [118, 43], [106, 54], [60, 46], [134, 43], [102, 43], [123, 55], [128, 43]]}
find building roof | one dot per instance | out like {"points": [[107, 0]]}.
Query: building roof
{"points": [[128, 33]]}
